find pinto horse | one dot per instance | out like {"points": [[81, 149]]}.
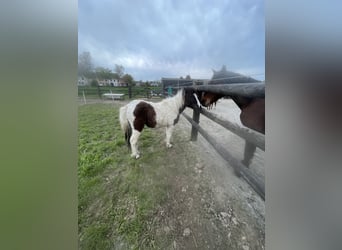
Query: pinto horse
{"points": [[252, 115], [138, 113]]}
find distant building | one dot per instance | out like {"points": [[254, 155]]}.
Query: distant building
{"points": [[109, 82], [82, 81], [114, 82], [155, 83], [139, 83], [175, 83], [151, 83], [122, 83]]}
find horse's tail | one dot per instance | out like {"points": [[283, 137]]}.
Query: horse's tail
{"points": [[125, 126]]}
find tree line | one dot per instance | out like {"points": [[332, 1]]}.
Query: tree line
{"points": [[87, 69]]}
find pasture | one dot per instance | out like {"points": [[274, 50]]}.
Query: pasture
{"points": [[168, 199]]}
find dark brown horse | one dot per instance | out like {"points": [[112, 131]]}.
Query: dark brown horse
{"points": [[252, 115]]}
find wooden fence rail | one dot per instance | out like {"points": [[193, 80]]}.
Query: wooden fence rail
{"points": [[250, 135], [241, 89]]}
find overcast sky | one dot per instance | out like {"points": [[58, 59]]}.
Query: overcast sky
{"points": [[154, 39]]}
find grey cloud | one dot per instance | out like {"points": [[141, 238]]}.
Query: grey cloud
{"points": [[164, 38]]}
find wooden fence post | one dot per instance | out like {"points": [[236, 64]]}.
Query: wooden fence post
{"points": [[84, 98], [99, 91], [195, 117], [129, 91]]}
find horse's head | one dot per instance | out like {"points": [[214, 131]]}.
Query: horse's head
{"points": [[208, 99], [192, 98], [197, 98]]}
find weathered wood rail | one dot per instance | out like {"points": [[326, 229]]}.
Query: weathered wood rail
{"points": [[250, 135], [254, 137], [241, 89]]}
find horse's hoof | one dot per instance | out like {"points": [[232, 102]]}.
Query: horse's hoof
{"points": [[169, 145], [246, 164], [135, 156], [237, 173]]}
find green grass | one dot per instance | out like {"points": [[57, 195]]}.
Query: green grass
{"points": [[118, 195]]}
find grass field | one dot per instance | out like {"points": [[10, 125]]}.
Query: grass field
{"points": [[119, 197], [176, 198]]}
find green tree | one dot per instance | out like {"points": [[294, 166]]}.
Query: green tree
{"points": [[119, 70], [85, 65], [115, 76], [94, 83], [128, 79], [103, 73]]}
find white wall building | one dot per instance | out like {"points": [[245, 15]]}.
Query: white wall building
{"points": [[82, 81], [109, 82]]}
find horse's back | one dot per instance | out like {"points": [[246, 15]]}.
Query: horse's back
{"points": [[141, 113]]}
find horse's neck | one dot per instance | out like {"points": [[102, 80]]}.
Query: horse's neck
{"points": [[175, 102], [241, 101]]}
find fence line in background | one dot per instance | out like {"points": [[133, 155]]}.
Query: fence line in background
{"points": [[84, 98], [133, 92]]}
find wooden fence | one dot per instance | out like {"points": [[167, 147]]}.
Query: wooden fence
{"points": [[129, 92], [258, 139]]}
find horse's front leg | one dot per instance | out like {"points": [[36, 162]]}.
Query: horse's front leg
{"points": [[169, 131], [134, 142]]}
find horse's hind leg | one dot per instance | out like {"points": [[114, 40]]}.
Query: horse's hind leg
{"points": [[249, 152], [169, 131], [128, 135], [134, 142]]}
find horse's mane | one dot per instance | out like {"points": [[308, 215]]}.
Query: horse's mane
{"points": [[178, 100]]}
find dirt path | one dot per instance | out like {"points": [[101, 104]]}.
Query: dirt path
{"points": [[209, 207]]}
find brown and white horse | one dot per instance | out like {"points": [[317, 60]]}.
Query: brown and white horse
{"points": [[138, 113], [252, 115]]}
